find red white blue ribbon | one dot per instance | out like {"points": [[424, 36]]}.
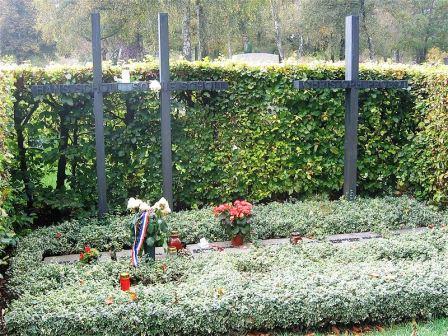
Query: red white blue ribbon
{"points": [[140, 227]]}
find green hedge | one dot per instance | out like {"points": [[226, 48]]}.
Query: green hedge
{"points": [[6, 106], [261, 139], [309, 285], [424, 167]]}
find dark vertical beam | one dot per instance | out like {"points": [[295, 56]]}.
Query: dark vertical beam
{"points": [[165, 108], [98, 111], [351, 106]]}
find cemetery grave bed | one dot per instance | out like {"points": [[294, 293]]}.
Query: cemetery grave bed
{"points": [[308, 285]]}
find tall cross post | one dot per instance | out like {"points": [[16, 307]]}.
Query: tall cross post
{"points": [[165, 103], [98, 112], [352, 85]]}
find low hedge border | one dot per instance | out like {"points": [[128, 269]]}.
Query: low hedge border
{"points": [[309, 285], [69, 299], [312, 218]]}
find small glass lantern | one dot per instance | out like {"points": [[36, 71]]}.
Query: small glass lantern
{"points": [[175, 241], [125, 281], [295, 238]]}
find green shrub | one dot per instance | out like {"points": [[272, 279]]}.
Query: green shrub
{"points": [[7, 237], [311, 218], [424, 164], [308, 285], [261, 139]]}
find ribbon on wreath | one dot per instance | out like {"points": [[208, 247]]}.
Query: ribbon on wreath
{"points": [[140, 228]]}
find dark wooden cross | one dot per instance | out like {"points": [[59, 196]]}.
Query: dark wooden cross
{"points": [[98, 88], [165, 103], [351, 84]]}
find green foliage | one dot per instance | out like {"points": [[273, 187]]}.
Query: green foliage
{"points": [[398, 29], [273, 143], [18, 35], [7, 237], [310, 218], [306, 285], [424, 164]]}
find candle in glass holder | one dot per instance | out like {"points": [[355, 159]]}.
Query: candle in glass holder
{"points": [[125, 281], [175, 241], [295, 238]]}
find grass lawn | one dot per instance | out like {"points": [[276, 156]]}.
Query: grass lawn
{"points": [[438, 327]]}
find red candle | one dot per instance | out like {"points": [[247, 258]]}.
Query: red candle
{"points": [[174, 240], [125, 281]]}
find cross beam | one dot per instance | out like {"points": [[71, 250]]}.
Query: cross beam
{"points": [[39, 90], [352, 85], [165, 103]]}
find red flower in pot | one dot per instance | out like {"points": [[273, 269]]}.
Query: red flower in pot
{"points": [[235, 217], [89, 255]]}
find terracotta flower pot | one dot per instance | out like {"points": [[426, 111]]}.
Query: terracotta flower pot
{"points": [[237, 240]]}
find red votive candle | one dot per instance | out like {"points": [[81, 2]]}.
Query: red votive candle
{"points": [[125, 281], [175, 241]]}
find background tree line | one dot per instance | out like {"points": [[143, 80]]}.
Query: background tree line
{"points": [[401, 30]]}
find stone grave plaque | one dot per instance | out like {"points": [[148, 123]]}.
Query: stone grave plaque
{"points": [[126, 254], [71, 259]]}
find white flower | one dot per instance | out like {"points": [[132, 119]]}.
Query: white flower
{"points": [[155, 85], [163, 206], [125, 77], [134, 203], [144, 206], [204, 244], [234, 147]]}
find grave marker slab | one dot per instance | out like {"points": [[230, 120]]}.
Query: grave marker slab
{"points": [[126, 254], [352, 85], [195, 249], [71, 259]]}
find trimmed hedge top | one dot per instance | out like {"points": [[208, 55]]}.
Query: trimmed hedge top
{"points": [[306, 285]]}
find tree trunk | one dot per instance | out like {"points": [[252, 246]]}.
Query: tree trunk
{"points": [[202, 49], [299, 33], [23, 165], [19, 123], [300, 48], [362, 10], [229, 45], [63, 144], [74, 163], [422, 52], [342, 49], [397, 56], [277, 28], [186, 33]]}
